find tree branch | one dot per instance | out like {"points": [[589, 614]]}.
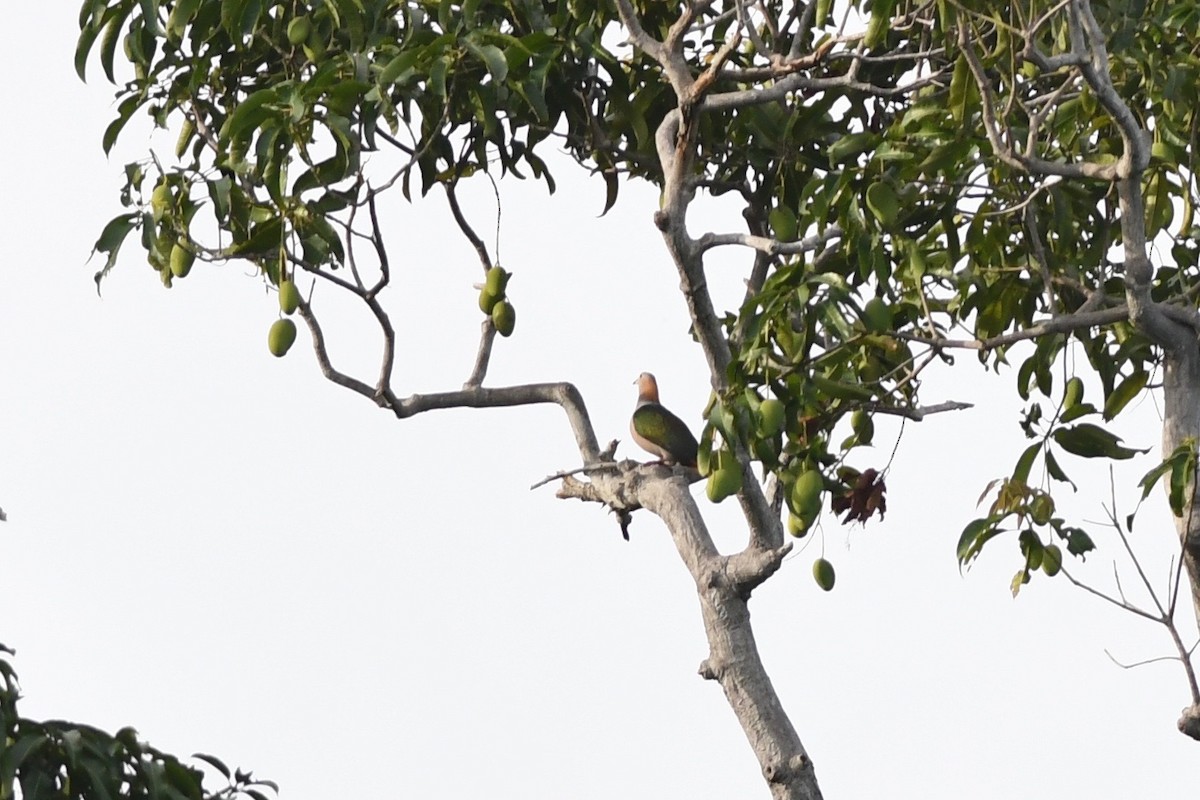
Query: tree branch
{"points": [[1060, 324], [767, 245], [480, 248], [1003, 150]]}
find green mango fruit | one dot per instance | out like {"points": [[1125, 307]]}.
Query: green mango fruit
{"points": [[298, 31], [771, 417], [487, 301], [883, 204], [504, 317], [1073, 393], [876, 316], [160, 200], [496, 281], [723, 483], [181, 261], [1041, 508], [823, 574], [1051, 560], [799, 526], [862, 425], [806, 495], [281, 337], [289, 297]]}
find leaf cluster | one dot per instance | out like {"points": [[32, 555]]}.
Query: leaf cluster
{"points": [[57, 759]]}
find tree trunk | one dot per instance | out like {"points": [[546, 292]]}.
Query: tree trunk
{"points": [[723, 585], [1181, 391]]}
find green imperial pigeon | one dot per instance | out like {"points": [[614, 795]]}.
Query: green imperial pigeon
{"points": [[658, 431]]}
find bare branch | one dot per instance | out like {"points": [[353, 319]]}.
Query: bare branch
{"points": [[1095, 71], [577, 471], [1124, 606], [1039, 257], [1142, 663], [919, 413], [562, 394], [327, 368], [1061, 324], [415, 155], [1003, 150], [674, 66], [767, 245], [385, 269], [487, 337], [747, 24], [465, 227]]}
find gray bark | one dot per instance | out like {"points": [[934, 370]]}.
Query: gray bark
{"points": [[723, 585]]}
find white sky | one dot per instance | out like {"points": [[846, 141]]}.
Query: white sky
{"points": [[239, 558]]}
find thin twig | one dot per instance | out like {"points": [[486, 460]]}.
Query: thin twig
{"points": [[589, 468], [465, 227]]}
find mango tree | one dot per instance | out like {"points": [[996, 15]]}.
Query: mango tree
{"points": [[915, 179]]}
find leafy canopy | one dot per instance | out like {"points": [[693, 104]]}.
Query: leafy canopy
{"points": [[57, 759], [917, 178]]}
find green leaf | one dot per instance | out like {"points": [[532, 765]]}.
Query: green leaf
{"points": [[704, 455], [977, 533], [960, 85], [13, 756], [111, 239], [399, 66], [1019, 580], [1129, 388], [150, 16], [112, 33], [1025, 375], [87, 37], [1076, 411], [124, 112], [1183, 472], [181, 15], [491, 56], [99, 778], [851, 145], [264, 238], [249, 113], [823, 9], [783, 222], [883, 204], [329, 171], [531, 92], [1056, 471], [1152, 477], [612, 186], [231, 16], [1078, 542], [1181, 465], [879, 24], [219, 191], [1025, 463], [1092, 441], [326, 233]]}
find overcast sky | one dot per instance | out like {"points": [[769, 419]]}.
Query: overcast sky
{"points": [[236, 557]]}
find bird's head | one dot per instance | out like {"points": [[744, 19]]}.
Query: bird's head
{"points": [[647, 388]]}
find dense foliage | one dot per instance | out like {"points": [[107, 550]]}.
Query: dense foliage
{"points": [[946, 171], [65, 760], [918, 181]]}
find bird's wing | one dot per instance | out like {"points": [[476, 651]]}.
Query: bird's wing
{"points": [[659, 426]]}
